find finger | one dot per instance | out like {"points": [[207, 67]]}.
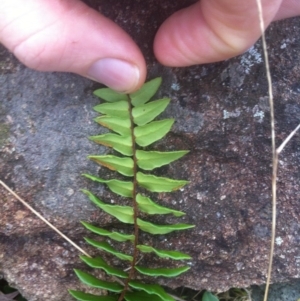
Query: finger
{"points": [[210, 31], [67, 35], [288, 9]]}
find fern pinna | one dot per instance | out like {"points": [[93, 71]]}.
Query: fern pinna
{"points": [[131, 118]]}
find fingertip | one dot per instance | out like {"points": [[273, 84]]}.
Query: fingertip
{"points": [[69, 36], [288, 9], [167, 44], [119, 75], [184, 39], [210, 31]]}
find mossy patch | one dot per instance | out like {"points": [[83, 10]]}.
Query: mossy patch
{"points": [[4, 134]]}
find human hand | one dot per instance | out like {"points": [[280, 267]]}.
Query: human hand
{"points": [[69, 36], [215, 30], [66, 35]]}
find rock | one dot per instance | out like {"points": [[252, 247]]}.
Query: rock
{"points": [[222, 117], [289, 291]]}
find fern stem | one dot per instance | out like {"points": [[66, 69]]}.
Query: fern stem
{"points": [[135, 207]]}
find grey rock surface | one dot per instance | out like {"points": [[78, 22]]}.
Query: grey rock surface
{"points": [[222, 117], [289, 291]]}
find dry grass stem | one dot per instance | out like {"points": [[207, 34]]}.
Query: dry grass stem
{"points": [[44, 220], [275, 152], [274, 155], [287, 139]]}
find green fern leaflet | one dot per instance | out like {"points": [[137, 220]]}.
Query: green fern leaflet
{"points": [[131, 120]]}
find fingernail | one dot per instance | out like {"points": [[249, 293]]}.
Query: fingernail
{"points": [[117, 74]]}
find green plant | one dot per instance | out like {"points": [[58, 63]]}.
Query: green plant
{"points": [[235, 294], [131, 118], [208, 296]]}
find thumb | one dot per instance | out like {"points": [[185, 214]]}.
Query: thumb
{"points": [[210, 31], [67, 35]]}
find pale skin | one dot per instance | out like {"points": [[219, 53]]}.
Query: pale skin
{"points": [[51, 36]]}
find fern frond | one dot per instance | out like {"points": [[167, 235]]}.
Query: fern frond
{"points": [[122, 144], [115, 123], [110, 95], [105, 246], [146, 205], [122, 188], [99, 263], [142, 295], [89, 297], [143, 95], [151, 132], [152, 289], [159, 184], [122, 165], [164, 253], [93, 281], [132, 119], [146, 113], [113, 235], [165, 272], [148, 160], [119, 109], [122, 213], [161, 229]]}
